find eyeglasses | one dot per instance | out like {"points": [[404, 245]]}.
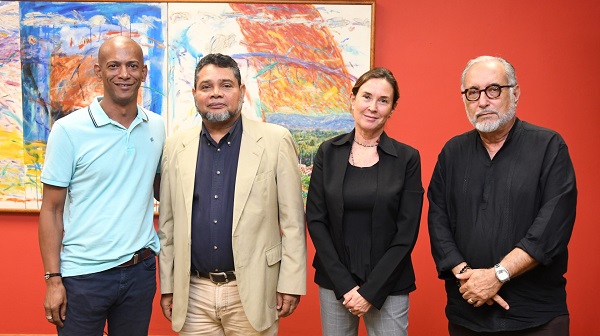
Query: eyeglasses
{"points": [[492, 91]]}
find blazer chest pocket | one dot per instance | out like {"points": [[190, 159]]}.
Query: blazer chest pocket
{"points": [[273, 254]]}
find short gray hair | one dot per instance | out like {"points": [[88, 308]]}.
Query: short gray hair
{"points": [[509, 70]]}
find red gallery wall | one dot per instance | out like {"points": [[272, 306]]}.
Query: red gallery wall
{"points": [[555, 47]]}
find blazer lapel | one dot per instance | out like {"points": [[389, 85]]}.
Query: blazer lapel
{"points": [[338, 164], [249, 160], [187, 155]]}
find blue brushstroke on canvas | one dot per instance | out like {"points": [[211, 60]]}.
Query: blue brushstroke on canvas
{"points": [[43, 27]]}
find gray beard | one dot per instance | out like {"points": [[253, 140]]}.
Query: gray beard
{"points": [[220, 117], [492, 126], [217, 117]]}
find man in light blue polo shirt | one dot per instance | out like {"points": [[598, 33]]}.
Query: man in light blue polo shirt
{"points": [[96, 228]]}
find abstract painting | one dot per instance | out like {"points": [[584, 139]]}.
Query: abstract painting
{"points": [[57, 44], [13, 180], [298, 61]]}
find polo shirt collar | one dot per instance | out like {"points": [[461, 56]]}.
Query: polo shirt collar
{"points": [[100, 118]]}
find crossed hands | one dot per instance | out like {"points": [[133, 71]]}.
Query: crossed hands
{"points": [[479, 286], [356, 304]]}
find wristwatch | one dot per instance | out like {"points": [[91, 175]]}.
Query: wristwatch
{"points": [[49, 275], [502, 273]]}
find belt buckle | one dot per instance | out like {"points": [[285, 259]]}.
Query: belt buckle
{"points": [[218, 274]]}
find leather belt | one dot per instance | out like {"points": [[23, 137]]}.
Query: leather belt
{"points": [[217, 277], [140, 255]]}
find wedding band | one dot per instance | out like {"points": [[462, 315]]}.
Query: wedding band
{"points": [[470, 301], [49, 317]]}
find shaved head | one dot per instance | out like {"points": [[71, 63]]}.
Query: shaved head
{"points": [[118, 42]]}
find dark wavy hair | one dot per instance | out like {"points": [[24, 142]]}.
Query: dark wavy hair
{"points": [[221, 61]]}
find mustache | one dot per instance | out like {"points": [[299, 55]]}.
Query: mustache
{"points": [[487, 110]]}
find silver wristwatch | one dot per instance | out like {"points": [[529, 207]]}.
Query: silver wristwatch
{"points": [[502, 273]]}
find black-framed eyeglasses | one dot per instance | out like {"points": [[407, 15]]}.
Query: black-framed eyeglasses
{"points": [[492, 91]]}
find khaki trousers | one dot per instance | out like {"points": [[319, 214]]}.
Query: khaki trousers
{"points": [[216, 310]]}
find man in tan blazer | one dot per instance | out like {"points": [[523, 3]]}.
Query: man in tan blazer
{"points": [[233, 245]]}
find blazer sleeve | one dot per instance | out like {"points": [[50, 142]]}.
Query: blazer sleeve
{"points": [[165, 226], [292, 222]]}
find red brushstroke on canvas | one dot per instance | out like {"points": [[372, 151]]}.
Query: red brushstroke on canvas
{"points": [[73, 83], [303, 71]]}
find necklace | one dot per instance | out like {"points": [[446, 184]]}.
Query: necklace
{"points": [[363, 145]]}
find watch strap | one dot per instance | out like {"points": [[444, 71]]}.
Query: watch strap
{"points": [[49, 275]]}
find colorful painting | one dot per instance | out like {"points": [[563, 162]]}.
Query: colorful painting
{"points": [[58, 44], [298, 62], [13, 179]]}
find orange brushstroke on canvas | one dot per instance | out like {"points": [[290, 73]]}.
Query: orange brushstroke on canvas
{"points": [[73, 83], [297, 81]]}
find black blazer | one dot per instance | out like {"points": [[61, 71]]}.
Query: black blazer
{"points": [[396, 218]]}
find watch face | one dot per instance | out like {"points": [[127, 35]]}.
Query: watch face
{"points": [[502, 273]]}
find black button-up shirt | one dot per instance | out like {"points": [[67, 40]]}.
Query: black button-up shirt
{"points": [[212, 206], [481, 208]]}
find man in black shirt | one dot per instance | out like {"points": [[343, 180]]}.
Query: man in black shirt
{"points": [[502, 202]]}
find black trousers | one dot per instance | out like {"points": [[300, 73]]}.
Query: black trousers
{"points": [[559, 326]]}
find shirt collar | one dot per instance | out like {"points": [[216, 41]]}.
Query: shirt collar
{"points": [[234, 132], [385, 142], [100, 118], [514, 129]]}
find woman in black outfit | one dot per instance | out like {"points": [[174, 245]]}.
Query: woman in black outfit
{"points": [[363, 210]]}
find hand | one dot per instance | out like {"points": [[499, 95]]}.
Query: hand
{"points": [[356, 304], [480, 286], [55, 303], [166, 303], [287, 303]]}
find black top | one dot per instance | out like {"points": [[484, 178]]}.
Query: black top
{"points": [[395, 218], [212, 206], [360, 189], [480, 209]]}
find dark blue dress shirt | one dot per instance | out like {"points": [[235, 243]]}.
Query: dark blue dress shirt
{"points": [[212, 206]]}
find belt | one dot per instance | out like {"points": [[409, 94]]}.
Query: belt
{"points": [[140, 255], [216, 277]]}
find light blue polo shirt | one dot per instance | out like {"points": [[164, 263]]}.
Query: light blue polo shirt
{"points": [[109, 172]]}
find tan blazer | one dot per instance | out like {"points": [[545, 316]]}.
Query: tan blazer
{"points": [[268, 234]]}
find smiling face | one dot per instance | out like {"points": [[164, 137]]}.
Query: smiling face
{"points": [[218, 95], [372, 105], [121, 68], [490, 115]]}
